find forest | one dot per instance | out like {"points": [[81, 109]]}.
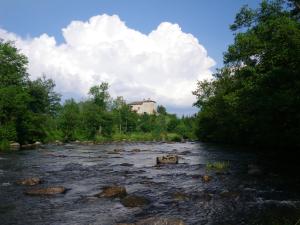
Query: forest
{"points": [[31, 111]]}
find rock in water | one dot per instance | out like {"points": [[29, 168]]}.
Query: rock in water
{"points": [[113, 192], [168, 159], [14, 146], [30, 181], [46, 191], [206, 178], [134, 201]]}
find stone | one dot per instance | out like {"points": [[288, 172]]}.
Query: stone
{"points": [[131, 201], [206, 178], [126, 164], [113, 192], [57, 142], [116, 151], [168, 159], [46, 191], [135, 150], [37, 144], [30, 181], [15, 146], [178, 196]]}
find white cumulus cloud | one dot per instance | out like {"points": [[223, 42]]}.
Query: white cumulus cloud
{"points": [[163, 65]]}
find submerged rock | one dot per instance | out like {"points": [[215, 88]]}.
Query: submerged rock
{"points": [[126, 164], [134, 201], [116, 151], [113, 192], [178, 196], [15, 146], [206, 178], [30, 181], [46, 191], [157, 221], [168, 159]]}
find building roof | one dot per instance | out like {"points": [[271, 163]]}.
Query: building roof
{"points": [[141, 102]]}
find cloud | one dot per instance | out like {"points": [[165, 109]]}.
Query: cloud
{"points": [[163, 65]]}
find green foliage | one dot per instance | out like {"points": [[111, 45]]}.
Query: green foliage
{"points": [[30, 111], [219, 165], [254, 98]]}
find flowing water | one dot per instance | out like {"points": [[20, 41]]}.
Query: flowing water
{"points": [[233, 196]]}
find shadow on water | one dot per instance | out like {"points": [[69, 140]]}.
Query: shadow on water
{"points": [[253, 189]]}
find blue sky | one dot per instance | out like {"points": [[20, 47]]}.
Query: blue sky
{"points": [[208, 21]]}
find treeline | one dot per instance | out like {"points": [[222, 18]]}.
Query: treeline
{"points": [[255, 98], [31, 111]]}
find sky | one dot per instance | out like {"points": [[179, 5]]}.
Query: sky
{"points": [[143, 48]]}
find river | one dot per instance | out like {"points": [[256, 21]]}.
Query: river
{"points": [[232, 197]]}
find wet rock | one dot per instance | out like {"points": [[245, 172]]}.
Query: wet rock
{"points": [[206, 178], [157, 221], [136, 150], [116, 151], [15, 146], [46, 191], [179, 196], [30, 181], [254, 170], [134, 201], [168, 159], [229, 194], [126, 164], [87, 143], [185, 152], [113, 192], [37, 144], [57, 142], [27, 146]]}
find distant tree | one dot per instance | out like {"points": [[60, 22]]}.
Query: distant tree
{"points": [[161, 110], [100, 95]]}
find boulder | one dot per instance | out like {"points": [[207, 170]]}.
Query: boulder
{"points": [[30, 181], [46, 191], [14, 146], [206, 178], [113, 192], [134, 201], [168, 159], [37, 144]]}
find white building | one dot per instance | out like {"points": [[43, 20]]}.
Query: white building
{"points": [[145, 106]]}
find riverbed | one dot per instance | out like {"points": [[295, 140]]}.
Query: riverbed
{"points": [[231, 196]]}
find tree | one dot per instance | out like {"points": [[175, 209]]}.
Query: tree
{"points": [[253, 98], [100, 95]]}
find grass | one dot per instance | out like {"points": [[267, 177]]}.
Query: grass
{"points": [[218, 165], [4, 145]]}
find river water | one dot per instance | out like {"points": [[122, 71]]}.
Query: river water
{"points": [[232, 197]]}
